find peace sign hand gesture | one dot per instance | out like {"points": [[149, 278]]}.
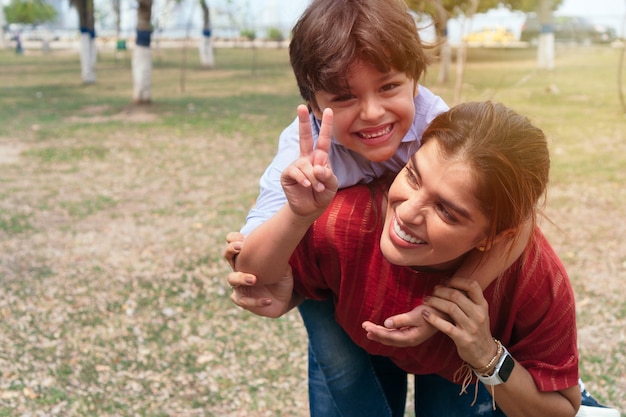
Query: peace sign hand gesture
{"points": [[309, 182]]}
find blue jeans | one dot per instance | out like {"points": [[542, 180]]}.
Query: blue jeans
{"points": [[437, 397], [344, 380]]}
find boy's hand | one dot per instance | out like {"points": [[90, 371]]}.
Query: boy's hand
{"points": [[309, 182], [403, 330]]}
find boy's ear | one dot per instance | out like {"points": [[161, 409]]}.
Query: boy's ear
{"points": [[315, 109], [503, 236]]}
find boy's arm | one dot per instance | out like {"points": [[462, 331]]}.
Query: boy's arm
{"points": [[271, 196], [267, 250], [309, 185]]}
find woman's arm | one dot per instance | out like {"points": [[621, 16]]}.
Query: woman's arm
{"points": [[519, 397], [469, 328]]}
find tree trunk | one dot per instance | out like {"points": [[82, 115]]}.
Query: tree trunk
{"points": [[445, 51], [461, 55], [142, 57], [117, 11], [207, 58], [88, 53], [545, 49], [2, 23]]}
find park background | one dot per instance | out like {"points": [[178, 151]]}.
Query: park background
{"points": [[113, 216], [174, 19]]}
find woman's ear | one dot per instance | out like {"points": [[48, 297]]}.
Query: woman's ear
{"points": [[504, 236]]}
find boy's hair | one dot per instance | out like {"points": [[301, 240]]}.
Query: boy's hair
{"points": [[332, 34], [509, 157]]}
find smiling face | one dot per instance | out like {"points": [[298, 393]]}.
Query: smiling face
{"points": [[432, 217], [374, 113]]}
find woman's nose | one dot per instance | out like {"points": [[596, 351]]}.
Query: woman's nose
{"points": [[413, 212]]}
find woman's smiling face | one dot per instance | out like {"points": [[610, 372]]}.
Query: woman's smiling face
{"points": [[432, 217]]}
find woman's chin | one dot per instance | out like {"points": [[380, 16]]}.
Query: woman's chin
{"points": [[393, 255]]}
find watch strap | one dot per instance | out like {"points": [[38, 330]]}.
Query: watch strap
{"points": [[501, 372]]}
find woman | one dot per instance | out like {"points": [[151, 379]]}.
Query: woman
{"points": [[476, 180]]}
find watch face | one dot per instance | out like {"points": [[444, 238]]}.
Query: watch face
{"points": [[506, 368]]}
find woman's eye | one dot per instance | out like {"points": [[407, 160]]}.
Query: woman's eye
{"points": [[445, 213], [411, 178]]}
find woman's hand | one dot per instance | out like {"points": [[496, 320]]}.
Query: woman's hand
{"points": [[402, 330], [234, 241], [264, 300], [463, 302], [272, 300]]}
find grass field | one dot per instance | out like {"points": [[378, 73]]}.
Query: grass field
{"points": [[113, 297]]}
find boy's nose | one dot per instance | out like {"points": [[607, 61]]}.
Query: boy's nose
{"points": [[371, 109]]}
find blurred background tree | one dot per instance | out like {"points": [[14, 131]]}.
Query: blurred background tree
{"points": [[29, 12], [440, 11]]}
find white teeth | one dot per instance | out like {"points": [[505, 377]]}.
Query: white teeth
{"points": [[386, 130], [405, 236]]}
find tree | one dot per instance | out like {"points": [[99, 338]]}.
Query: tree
{"points": [[142, 56], [29, 12], [88, 52], [207, 58], [117, 12], [442, 10], [2, 23], [545, 49]]}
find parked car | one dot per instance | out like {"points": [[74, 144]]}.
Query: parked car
{"points": [[568, 29], [498, 35]]}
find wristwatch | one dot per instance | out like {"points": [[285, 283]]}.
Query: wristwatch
{"points": [[501, 372]]}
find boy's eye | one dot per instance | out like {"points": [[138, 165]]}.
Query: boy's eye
{"points": [[343, 97], [388, 87]]}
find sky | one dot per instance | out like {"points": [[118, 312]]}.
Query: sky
{"points": [[607, 12], [229, 16], [284, 13]]}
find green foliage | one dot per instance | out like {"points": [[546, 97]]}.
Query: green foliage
{"points": [[455, 7], [249, 34], [29, 11], [275, 34]]}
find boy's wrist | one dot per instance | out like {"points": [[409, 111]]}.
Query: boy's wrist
{"points": [[305, 220]]}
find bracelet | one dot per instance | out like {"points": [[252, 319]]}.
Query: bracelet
{"points": [[492, 361]]}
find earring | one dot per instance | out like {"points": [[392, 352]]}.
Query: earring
{"points": [[481, 248]]}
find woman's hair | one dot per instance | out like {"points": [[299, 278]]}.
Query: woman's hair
{"points": [[333, 34], [509, 157]]}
